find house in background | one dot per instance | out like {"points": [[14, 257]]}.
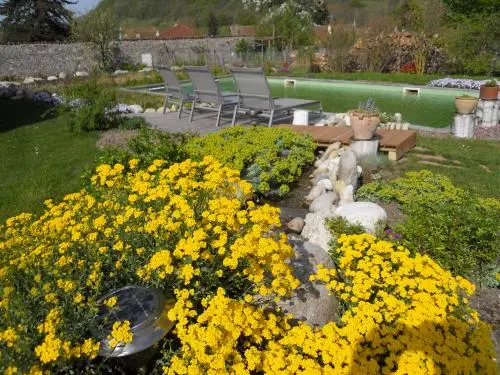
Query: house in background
{"points": [[180, 31], [242, 30]]}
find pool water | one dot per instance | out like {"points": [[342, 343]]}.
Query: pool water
{"points": [[432, 107]]}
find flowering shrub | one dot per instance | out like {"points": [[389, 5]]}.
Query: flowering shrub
{"points": [[408, 68], [458, 230], [457, 83], [270, 158], [404, 315], [187, 230]]}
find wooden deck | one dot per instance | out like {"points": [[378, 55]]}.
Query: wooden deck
{"points": [[396, 142]]}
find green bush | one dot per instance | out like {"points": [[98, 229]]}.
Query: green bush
{"points": [[147, 146], [458, 230], [270, 158], [92, 110]]}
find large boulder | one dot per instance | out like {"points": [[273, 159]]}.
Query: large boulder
{"points": [[315, 229], [348, 168], [370, 215], [310, 302], [324, 203]]}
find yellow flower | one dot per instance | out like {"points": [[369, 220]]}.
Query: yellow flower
{"points": [[110, 302], [120, 334]]}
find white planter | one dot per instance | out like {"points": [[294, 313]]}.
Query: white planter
{"points": [[300, 117], [463, 126]]}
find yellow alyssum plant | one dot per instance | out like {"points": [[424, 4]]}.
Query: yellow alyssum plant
{"points": [[404, 315], [184, 229]]}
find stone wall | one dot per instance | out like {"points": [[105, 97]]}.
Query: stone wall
{"points": [[43, 60]]}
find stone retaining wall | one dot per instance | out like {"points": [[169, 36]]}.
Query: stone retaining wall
{"points": [[24, 60]]}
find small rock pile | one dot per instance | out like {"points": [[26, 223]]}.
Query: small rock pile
{"points": [[335, 180], [343, 119]]}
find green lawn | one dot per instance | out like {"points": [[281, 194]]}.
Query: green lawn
{"points": [[471, 164], [39, 159]]}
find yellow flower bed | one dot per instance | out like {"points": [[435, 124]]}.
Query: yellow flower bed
{"points": [[404, 315], [187, 229]]}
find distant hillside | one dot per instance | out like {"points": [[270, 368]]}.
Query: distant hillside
{"points": [[164, 13]]}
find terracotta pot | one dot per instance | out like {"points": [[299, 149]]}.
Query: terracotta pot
{"points": [[364, 125], [488, 92], [465, 104]]}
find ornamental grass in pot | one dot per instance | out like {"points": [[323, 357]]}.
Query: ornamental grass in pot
{"points": [[365, 120], [489, 91], [465, 104]]}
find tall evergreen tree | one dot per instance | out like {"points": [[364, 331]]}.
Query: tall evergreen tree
{"points": [[35, 20], [213, 24]]}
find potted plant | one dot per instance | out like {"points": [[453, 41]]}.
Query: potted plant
{"points": [[465, 104], [365, 120], [489, 91]]}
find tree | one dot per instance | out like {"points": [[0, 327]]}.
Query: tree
{"points": [[316, 8], [35, 20], [99, 30], [213, 24]]}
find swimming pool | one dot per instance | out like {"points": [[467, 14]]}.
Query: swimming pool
{"points": [[419, 105]]}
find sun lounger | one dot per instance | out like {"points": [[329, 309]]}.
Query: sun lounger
{"points": [[207, 91], [255, 95], [173, 89]]}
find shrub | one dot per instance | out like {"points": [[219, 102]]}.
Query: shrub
{"points": [[406, 315], [89, 106], [460, 231], [147, 146], [270, 158], [186, 230]]}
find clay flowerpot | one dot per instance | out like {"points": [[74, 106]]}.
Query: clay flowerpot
{"points": [[364, 125], [488, 92], [465, 104]]}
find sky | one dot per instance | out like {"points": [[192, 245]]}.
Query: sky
{"points": [[83, 6]]}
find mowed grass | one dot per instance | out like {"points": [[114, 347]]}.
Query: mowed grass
{"points": [[471, 164], [39, 158]]}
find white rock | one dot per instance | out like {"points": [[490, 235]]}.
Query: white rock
{"points": [[52, 78], [398, 126], [319, 171], [160, 109], [347, 168], [148, 69], [38, 79], [324, 203], [81, 74], [316, 231], [321, 123], [346, 194], [315, 192], [326, 183], [136, 108], [359, 170], [405, 126], [150, 110], [330, 152], [332, 120], [28, 80], [370, 215], [119, 71], [63, 75], [296, 224]]}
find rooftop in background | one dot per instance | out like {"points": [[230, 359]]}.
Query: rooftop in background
{"points": [[180, 31], [242, 30]]}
